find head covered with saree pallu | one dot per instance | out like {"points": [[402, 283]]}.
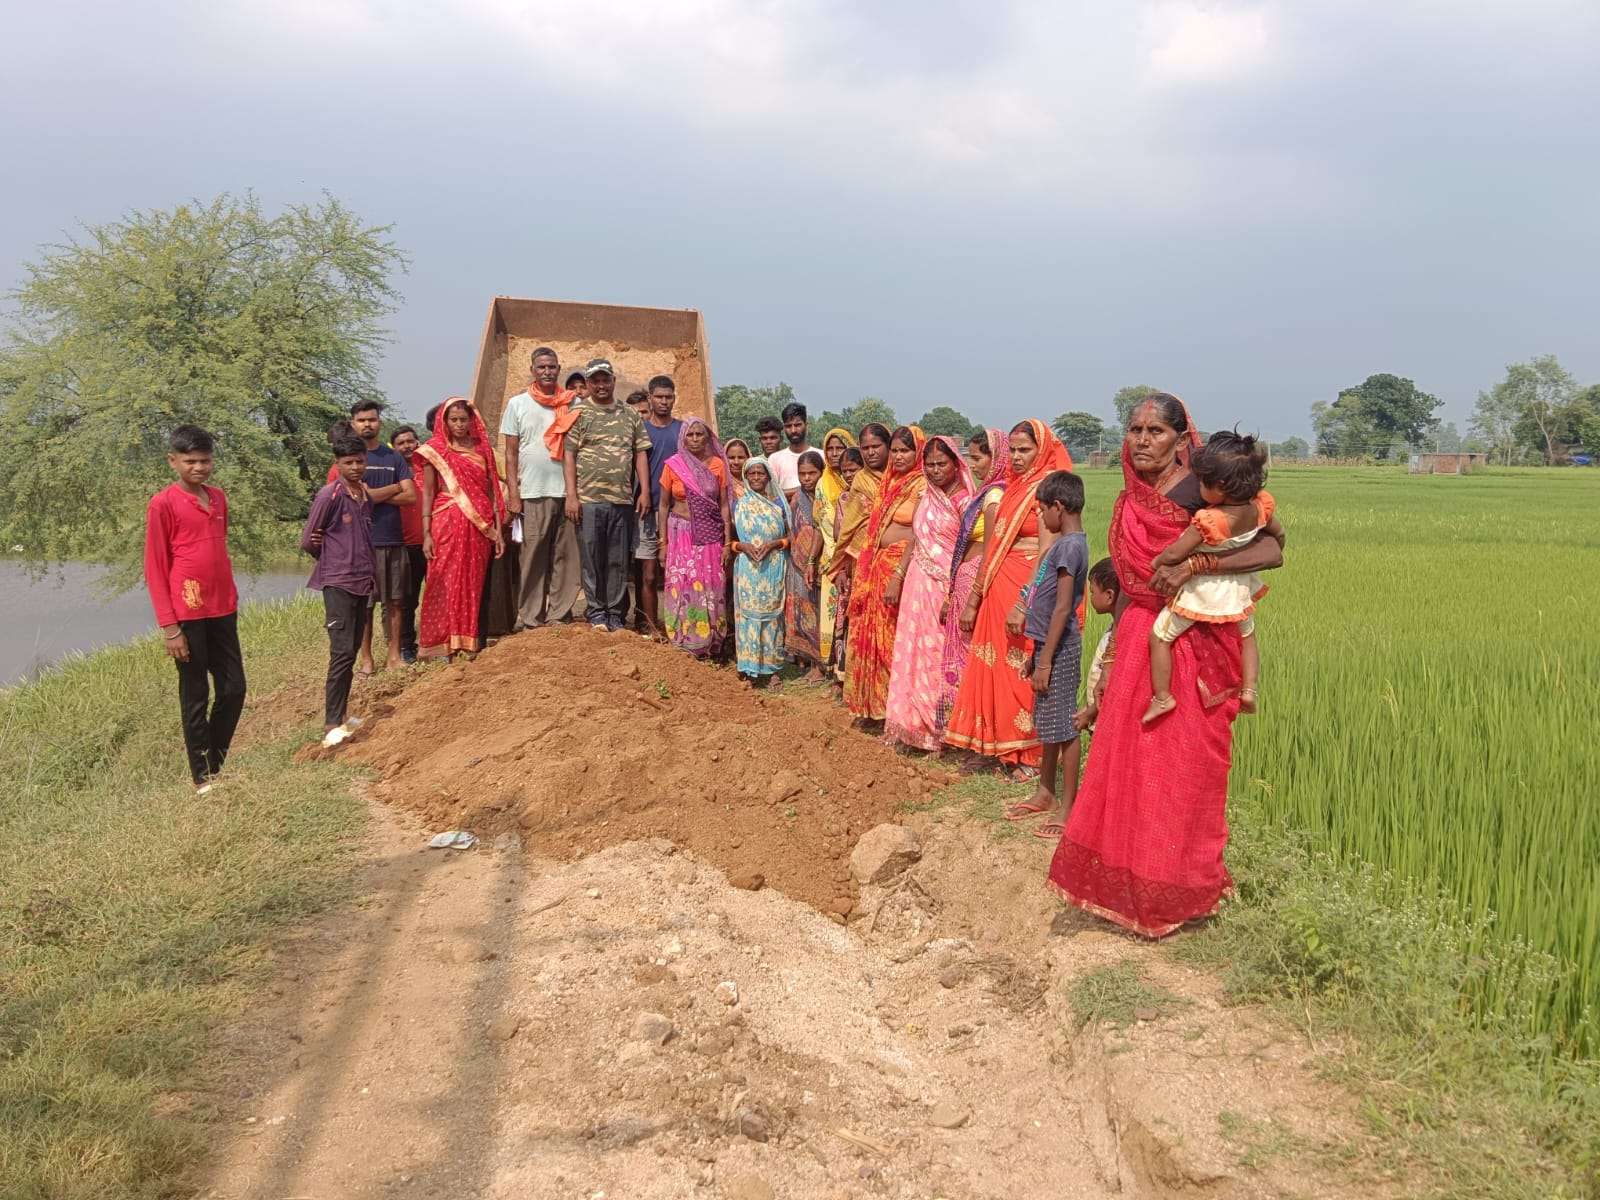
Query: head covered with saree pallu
{"points": [[481, 500], [896, 487], [937, 522], [856, 509], [702, 489], [831, 486], [999, 477], [1016, 506], [770, 494], [1145, 522]]}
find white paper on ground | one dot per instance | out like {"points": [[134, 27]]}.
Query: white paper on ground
{"points": [[453, 839]]}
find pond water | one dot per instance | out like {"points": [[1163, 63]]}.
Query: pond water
{"points": [[65, 611]]}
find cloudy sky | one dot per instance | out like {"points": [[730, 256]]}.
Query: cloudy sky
{"points": [[1010, 206]]}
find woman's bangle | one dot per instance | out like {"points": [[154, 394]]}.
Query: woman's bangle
{"points": [[172, 637], [1202, 564]]}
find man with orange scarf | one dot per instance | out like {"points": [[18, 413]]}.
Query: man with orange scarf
{"points": [[535, 426]]}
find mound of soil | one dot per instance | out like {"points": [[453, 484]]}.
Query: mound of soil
{"points": [[582, 740]]}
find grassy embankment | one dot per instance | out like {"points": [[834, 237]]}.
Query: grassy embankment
{"points": [[1415, 833], [135, 917]]}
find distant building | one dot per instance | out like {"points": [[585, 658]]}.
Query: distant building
{"points": [[1462, 462]]}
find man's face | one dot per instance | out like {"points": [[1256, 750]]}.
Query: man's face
{"points": [[600, 386], [405, 445], [661, 402], [366, 424], [352, 467], [546, 368], [795, 430], [194, 467], [771, 439]]}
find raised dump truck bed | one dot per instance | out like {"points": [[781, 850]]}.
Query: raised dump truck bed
{"points": [[640, 342]]}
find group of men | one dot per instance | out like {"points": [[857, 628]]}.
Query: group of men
{"points": [[590, 515]]}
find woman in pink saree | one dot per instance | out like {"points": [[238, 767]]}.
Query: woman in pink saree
{"points": [[694, 499], [989, 456], [912, 714]]}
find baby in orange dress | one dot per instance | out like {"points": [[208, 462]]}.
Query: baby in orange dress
{"points": [[1231, 469]]}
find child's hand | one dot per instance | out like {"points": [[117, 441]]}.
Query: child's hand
{"points": [[1084, 718], [1041, 679]]}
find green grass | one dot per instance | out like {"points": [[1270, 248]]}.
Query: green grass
{"points": [[1117, 996], [135, 917], [1430, 679]]}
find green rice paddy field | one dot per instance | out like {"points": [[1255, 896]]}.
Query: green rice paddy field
{"points": [[1431, 700]]}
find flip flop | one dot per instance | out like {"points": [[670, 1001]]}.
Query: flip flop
{"points": [[1024, 810], [1050, 831]]}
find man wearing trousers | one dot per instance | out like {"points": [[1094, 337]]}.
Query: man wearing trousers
{"points": [[534, 425], [606, 452]]}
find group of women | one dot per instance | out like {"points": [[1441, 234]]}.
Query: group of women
{"points": [[901, 566], [899, 569]]}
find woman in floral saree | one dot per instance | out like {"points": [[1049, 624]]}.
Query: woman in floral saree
{"points": [[921, 587], [695, 500], [463, 509], [802, 627], [761, 525], [872, 616]]}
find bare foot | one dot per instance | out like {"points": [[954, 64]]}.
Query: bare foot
{"points": [[1160, 706], [813, 676]]}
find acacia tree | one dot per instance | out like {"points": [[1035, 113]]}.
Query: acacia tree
{"points": [[262, 329]]}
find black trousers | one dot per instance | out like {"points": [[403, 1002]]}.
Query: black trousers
{"points": [[605, 544], [408, 611], [346, 615], [208, 724]]}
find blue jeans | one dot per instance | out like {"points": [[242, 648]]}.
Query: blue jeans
{"points": [[606, 538]]}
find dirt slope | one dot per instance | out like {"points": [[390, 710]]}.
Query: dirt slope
{"points": [[600, 1013]]}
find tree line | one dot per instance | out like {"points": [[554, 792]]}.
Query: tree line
{"points": [[265, 328]]}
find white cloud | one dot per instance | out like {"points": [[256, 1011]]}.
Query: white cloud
{"points": [[1191, 42]]}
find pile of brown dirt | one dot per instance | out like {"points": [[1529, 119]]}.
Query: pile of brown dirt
{"points": [[582, 740]]}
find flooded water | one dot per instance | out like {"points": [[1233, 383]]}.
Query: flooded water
{"points": [[66, 611]]}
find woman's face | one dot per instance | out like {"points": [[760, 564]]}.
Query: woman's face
{"points": [[694, 440], [834, 451], [738, 455], [849, 469], [980, 460], [808, 476], [940, 469], [756, 478], [458, 421], [1023, 451], [1152, 443], [901, 457], [874, 451]]}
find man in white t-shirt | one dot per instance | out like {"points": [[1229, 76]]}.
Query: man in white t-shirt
{"points": [[537, 490], [786, 462]]}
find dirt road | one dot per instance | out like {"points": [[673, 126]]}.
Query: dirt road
{"points": [[603, 1014]]}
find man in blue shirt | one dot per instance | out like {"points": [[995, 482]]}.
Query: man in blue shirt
{"points": [[389, 486]]}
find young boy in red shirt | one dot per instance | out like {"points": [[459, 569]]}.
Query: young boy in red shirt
{"points": [[190, 579]]}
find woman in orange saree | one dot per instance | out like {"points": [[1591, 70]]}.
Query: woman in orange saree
{"points": [[870, 649], [993, 713], [463, 509], [851, 515]]}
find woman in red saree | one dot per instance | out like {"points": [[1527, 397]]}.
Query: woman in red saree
{"points": [[1143, 844], [463, 509], [872, 617], [993, 713]]}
